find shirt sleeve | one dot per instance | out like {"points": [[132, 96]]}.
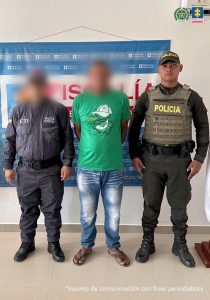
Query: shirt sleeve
{"points": [[137, 119], [10, 142], [67, 137], [75, 111], [126, 109], [200, 120]]}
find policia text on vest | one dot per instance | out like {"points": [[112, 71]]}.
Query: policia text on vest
{"points": [[168, 119], [175, 109]]}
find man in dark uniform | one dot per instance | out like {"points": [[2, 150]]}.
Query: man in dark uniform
{"points": [[38, 131], [163, 158]]}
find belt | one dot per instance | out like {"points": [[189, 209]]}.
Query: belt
{"points": [[180, 149], [40, 164]]}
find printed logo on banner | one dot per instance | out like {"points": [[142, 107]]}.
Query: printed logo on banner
{"points": [[181, 14], [197, 14]]}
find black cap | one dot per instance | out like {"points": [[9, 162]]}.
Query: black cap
{"points": [[169, 56]]}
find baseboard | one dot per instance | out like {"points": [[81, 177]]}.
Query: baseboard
{"points": [[76, 228]]}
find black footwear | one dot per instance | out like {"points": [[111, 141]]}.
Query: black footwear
{"points": [[181, 250], [56, 251], [147, 246], [23, 251]]}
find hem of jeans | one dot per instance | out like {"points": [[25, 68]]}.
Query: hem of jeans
{"points": [[87, 246], [113, 247]]}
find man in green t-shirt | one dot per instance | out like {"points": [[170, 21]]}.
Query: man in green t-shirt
{"points": [[100, 118]]}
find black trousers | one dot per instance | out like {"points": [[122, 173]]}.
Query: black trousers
{"points": [[40, 190], [166, 172]]}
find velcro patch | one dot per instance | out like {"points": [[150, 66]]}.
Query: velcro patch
{"points": [[50, 120], [24, 121]]}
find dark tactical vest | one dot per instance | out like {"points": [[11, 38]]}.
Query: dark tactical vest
{"points": [[168, 120]]}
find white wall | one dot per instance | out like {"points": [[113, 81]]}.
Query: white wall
{"points": [[23, 20]]}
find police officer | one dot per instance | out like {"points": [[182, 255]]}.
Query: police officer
{"points": [[38, 131], [163, 158]]}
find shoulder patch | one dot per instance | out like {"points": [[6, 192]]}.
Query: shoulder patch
{"points": [[152, 90]]}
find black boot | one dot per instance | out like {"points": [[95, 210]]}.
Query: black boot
{"points": [[147, 246], [56, 251], [180, 249], [24, 250]]}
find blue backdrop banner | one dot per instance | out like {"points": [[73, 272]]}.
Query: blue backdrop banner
{"points": [[134, 64]]}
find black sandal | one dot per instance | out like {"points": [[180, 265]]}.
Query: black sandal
{"points": [[81, 257], [121, 255]]}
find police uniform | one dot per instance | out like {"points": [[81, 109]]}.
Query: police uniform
{"points": [[165, 152], [38, 133]]}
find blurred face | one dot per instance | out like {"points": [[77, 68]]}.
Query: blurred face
{"points": [[99, 78], [169, 71], [36, 92]]}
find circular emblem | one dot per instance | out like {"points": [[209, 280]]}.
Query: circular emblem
{"points": [[181, 14]]}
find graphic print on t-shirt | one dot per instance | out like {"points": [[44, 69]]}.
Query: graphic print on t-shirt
{"points": [[100, 123]]}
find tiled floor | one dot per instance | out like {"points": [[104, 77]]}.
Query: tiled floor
{"points": [[39, 277]]}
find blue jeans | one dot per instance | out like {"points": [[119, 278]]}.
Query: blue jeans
{"points": [[90, 184]]}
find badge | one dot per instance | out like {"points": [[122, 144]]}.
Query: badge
{"points": [[197, 14], [181, 14]]}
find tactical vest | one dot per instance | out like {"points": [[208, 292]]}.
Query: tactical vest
{"points": [[168, 120]]}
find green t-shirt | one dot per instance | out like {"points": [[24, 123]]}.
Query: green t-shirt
{"points": [[100, 117]]}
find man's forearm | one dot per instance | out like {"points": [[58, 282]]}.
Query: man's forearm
{"points": [[69, 151], [78, 134], [124, 126], [8, 164], [133, 137], [10, 144], [201, 152], [123, 135], [137, 120], [77, 130], [201, 123], [9, 154], [202, 140]]}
